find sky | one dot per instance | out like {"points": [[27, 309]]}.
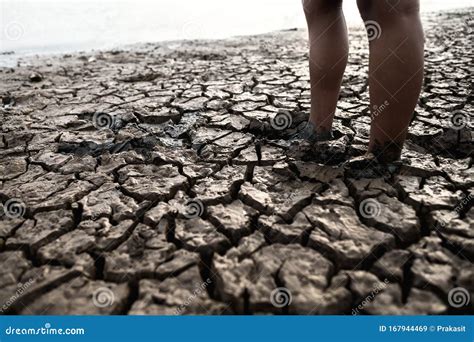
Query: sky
{"points": [[44, 26]]}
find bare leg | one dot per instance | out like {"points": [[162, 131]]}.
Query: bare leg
{"points": [[328, 58], [395, 71]]}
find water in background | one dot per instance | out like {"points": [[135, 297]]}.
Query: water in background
{"points": [[46, 26]]}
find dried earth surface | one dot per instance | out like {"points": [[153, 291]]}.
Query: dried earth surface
{"points": [[157, 180]]}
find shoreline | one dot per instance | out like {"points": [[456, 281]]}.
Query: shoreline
{"points": [[11, 58]]}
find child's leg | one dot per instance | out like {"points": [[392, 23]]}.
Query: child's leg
{"points": [[395, 71], [328, 58]]}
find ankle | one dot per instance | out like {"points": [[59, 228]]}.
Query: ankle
{"points": [[386, 152], [322, 133]]}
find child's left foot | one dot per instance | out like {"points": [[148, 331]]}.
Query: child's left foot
{"points": [[308, 133]]}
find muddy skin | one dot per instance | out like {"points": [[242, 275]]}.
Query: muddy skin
{"points": [[387, 152]]}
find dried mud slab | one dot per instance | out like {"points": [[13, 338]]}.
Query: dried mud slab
{"points": [[139, 256], [343, 238], [183, 294], [80, 296], [272, 193]]}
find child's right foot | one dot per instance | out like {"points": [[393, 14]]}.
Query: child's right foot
{"points": [[388, 152]]}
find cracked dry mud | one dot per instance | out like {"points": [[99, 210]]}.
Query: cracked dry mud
{"points": [[192, 121]]}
